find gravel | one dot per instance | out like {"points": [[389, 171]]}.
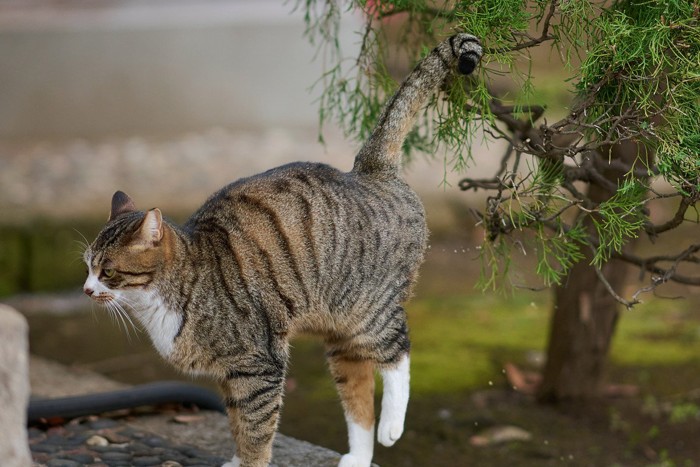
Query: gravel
{"points": [[67, 446]]}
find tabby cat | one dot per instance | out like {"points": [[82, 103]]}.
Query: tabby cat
{"points": [[303, 248]]}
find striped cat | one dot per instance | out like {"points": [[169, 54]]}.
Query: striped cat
{"points": [[303, 248]]}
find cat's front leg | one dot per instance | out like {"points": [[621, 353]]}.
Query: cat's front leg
{"points": [[253, 403]]}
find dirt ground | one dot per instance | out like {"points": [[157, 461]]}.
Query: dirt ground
{"points": [[441, 431]]}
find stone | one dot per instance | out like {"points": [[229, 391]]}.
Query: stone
{"points": [[14, 388], [96, 441], [82, 459], [154, 441], [63, 463], [47, 448], [145, 461], [102, 423], [500, 435], [116, 456]]}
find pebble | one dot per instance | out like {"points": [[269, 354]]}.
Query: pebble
{"points": [[103, 423], [63, 463], [49, 448], [86, 443], [114, 437], [81, 458], [97, 441], [154, 441], [146, 461], [116, 456]]}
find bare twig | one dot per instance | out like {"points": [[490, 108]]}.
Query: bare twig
{"points": [[677, 219], [603, 280]]}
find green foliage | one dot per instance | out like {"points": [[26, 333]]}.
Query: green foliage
{"points": [[619, 218], [643, 55], [556, 254], [633, 67]]}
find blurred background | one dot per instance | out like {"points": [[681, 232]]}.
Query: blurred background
{"points": [[169, 100]]}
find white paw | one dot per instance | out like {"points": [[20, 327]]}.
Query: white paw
{"points": [[389, 431], [348, 460], [235, 462]]}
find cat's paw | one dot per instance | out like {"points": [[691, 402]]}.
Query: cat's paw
{"points": [[235, 462], [390, 430], [349, 460]]}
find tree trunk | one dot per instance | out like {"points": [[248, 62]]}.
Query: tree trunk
{"points": [[585, 314], [581, 330]]}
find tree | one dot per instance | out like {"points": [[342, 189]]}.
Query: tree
{"points": [[576, 190]]}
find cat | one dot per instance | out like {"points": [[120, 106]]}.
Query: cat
{"points": [[302, 248]]}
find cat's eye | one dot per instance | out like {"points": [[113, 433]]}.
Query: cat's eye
{"points": [[108, 273]]}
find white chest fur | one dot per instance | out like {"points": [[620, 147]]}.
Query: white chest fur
{"points": [[161, 322]]}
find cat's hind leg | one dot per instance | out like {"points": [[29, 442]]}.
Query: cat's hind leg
{"points": [[392, 355], [394, 401], [355, 383]]}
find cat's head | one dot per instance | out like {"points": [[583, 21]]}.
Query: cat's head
{"points": [[127, 255]]}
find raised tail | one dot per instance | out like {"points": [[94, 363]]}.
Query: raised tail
{"points": [[382, 151]]}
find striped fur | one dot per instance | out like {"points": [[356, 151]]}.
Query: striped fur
{"points": [[300, 248]]}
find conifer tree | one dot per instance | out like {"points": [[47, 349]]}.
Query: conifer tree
{"points": [[581, 182]]}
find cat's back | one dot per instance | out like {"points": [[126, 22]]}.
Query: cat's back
{"points": [[317, 235], [310, 194]]}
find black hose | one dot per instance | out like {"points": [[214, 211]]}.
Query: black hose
{"points": [[146, 394]]}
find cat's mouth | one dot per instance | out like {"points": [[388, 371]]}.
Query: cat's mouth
{"points": [[102, 297]]}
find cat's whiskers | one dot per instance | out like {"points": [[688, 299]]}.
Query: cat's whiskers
{"points": [[84, 242], [129, 302], [122, 303], [122, 316], [92, 310], [110, 312], [116, 312], [79, 255]]}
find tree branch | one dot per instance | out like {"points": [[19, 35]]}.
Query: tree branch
{"points": [[534, 41], [677, 219]]}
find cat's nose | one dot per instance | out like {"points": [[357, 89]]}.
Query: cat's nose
{"points": [[88, 291]]}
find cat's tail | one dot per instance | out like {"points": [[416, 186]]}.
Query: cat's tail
{"points": [[382, 151]]}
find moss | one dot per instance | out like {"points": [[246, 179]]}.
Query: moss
{"points": [[460, 342], [457, 339], [660, 332]]}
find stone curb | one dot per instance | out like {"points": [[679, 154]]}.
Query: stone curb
{"points": [[14, 388]]}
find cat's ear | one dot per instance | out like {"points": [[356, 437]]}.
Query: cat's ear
{"points": [[151, 230], [121, 203]]}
